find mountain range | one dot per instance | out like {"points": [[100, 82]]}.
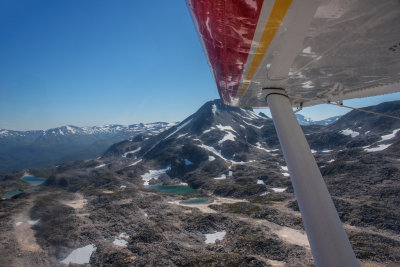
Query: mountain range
{"points": [[27, 149], [231, 161], [38, 148], [308, 121]]}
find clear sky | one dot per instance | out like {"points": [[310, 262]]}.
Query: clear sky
{"points": [[95, 62]]}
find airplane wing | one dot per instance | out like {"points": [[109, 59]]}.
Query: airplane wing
{"points": [[318, 51]]}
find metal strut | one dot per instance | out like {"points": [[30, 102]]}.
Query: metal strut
{"points": [[329, 243]]}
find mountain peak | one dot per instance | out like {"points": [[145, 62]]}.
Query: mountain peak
{"points": [[308, 121], [229, 134]]}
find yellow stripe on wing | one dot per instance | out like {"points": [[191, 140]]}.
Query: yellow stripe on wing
{"points": [[278, 12]]}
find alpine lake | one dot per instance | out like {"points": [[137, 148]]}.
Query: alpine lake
{"points": [[173, 189], [31, 180]]}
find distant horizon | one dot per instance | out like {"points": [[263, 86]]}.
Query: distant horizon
{"points": [[356, 103]]}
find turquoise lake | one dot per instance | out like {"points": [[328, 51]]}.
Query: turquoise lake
{"points": [[194, 201], [173, 189], [32, 180], [12, 193]]}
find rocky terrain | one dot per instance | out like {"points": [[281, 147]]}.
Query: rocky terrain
{"points": [[110, 208]]}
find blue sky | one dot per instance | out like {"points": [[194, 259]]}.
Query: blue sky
{"points": [[103, 62]]}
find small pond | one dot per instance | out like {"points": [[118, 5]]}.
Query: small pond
{"points": [[32, 180], [173, 189], [12, 193], [195, 201]]}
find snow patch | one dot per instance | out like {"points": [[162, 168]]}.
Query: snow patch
{"points": [[153, 174], [349, 132], [230, 173], [121, 240], [4, 132], [253, 115], [136, 162], [252, 125], [285, 174], [80, 255], [178, 129], [260, 182], [378, 148], [70, 129], [278, 190], [131, 152], [222, 177], [308, 85], [228, 136], [258, 145], [218, 154], [208, 130], [307, 50], [123, 235], [100, 166], [389, 136], [211, 238], [212, 150], [211, 158], [214, 109], [225, 128], [31, 222], [181, 135]]}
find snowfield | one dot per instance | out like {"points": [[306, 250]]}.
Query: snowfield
{"points": [[153, 174], [80, 255], [222, 177], [228, 136], [100, 166], [389, 136], [121, 240], [349, 132], [378, 148], [278, 190], [211, 238], [131, 152]]}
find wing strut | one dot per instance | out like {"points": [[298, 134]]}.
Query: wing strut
{"points": [[329, 243]]}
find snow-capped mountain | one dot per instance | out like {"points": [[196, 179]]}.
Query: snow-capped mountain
{"points": [[111, 129], [220, 141], [308, 121], [230, 133], [24, 149]]}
